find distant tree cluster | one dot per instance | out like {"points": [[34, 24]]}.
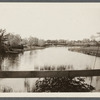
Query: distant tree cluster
{"points": [[9, 40], [33, 41]]}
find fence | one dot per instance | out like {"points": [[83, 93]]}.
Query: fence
{"points": [[40, 74]]}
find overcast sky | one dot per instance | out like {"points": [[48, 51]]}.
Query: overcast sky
{"points": [[51, 20]]}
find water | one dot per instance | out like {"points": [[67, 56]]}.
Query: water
{"points": [[37, 59]]}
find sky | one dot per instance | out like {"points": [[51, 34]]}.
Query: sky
{"points": [[69, 21]]}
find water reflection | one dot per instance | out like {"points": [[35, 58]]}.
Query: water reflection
{"points": [[10, 62], [32, 54], [53, 58], [1, 60], [27, 85]]}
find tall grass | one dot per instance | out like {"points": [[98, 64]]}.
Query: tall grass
{"points": [[5, 89], [54, 68]]}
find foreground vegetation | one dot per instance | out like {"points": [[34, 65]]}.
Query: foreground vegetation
{"points": [[5, 89], [61, 84], [56, 84]]}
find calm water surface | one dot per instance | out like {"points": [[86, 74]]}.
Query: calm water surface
{"points": [[37, 59]]}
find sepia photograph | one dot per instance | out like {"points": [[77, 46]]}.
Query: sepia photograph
{"points": [[49, 48]]}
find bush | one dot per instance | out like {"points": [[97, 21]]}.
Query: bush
{"points": [[62, 84]]}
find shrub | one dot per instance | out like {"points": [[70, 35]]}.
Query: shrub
{"points": [[62, 84]]}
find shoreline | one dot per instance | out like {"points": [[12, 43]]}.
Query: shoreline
{"points": [[93, 51], [33, 48]]}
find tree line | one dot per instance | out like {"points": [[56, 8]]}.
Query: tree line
{"points": [[10, 40]]}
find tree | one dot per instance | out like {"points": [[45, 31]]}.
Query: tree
{"points": [[3, 47], [93, 38], [41, 42], [86, 40], [35, 41], [25, 41], [14, 40], [32, 41], [2, 32]]}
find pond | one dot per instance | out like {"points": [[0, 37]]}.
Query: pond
{"points": [[38, 59]]}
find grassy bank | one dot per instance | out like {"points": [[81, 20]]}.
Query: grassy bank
{"points": [[16, 50], [92, 50], [33, 48]]}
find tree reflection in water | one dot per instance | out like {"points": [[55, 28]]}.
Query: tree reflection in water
{"points": [[1, 61], [9, 61], [33, 54]]}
